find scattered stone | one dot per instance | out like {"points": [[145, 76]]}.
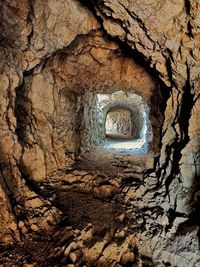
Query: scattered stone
{"points": [[121, 217], [71, 247], [34, 227], [105, 191], [75, 256], [127, 257], [24, 230], [21, 224], [120, 234]]}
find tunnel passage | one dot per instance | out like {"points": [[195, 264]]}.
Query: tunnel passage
{"points": [[117, 121], [66, 123], [119, 124]]}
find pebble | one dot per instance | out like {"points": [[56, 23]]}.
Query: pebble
{"points": [[34, 227], [120, 234], [21, 224], [127, 257], [72, 246], [121, 217]]}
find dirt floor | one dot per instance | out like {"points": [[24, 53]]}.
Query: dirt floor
{"points": [[82, 208], [110, 161], [90, 198], [79, 209], [32, 250]]}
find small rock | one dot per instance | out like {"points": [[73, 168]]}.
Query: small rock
{"points": [[75, 256], [86, 235], [94, 252], [24, 230], [121, 217], [120, 234], [149, 163], [140, 221], [76, 231], [72, 246], [20, 224], [34, 227], [65, 237], [105, 190], [127, 257], [133, 243]]}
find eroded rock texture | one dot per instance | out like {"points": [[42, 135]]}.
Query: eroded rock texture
{"points": [[60, 189]]}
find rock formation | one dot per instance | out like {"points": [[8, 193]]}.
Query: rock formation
{"points": [[66, 199]]}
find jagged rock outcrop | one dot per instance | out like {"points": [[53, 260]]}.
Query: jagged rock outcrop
{"points": [[56, 56]]}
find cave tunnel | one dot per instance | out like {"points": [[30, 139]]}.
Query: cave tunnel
{"points": [[118, 121], [119, 124], [99, 136], [124, 128]]}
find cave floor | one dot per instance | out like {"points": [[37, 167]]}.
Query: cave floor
{"points": [[86, 221], [110, 161], [126, 144], [92, 228]]}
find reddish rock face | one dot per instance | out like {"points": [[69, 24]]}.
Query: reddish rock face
{"points": [[56, 58]]}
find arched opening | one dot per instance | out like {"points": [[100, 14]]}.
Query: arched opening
{"points": [[126, 127], [118, 124], [118, 121]]}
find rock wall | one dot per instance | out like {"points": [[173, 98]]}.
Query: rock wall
{"points": [[56, 56]]}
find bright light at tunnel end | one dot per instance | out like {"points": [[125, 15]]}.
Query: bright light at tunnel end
{"points": [[131, 145], [118, 122], [124, 141]]}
